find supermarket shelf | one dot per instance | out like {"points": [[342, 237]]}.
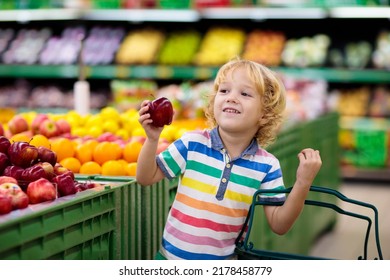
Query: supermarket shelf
{"points": [[183, 72], [189, 15], [374, 174], [40, 14]]}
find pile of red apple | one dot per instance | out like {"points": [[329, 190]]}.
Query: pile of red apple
{"points": [[30, 175]]}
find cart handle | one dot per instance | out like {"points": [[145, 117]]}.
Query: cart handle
{"points": [[333, 192]]}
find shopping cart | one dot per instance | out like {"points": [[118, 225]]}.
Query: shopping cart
{"points": [[245, 249]]}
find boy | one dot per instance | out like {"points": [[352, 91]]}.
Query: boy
{"points": [[220, 168]]}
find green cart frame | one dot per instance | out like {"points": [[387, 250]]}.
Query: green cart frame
{"points": [[245, 249]]}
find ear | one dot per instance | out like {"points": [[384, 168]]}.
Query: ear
{"points": [[262, 121]]}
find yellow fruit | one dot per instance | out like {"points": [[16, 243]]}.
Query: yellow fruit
{"points": [[20, 137], [104, 151], [131, 151], [63, 147], [113, 168], [90, 167], [138, 131], [110, 113], [111, 126], [71, 163], [83, 153], [95, 131], [123, 133], [40, 140], [131, 169]]}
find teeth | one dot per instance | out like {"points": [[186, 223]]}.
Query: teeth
{"points": [[231, 111]]}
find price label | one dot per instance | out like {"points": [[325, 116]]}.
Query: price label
{"points": [[122, 72], [203, 73], [164, 72]]}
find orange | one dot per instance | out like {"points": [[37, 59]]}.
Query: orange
{"points": [[131, 169], [40, 140], [90, 167], [71, 163], [20, 137], [83, 153], [131, 151], [104, 151], [116, 150], [113, 168], [91, 143], [63, 147]]}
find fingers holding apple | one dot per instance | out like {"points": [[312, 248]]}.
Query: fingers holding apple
{"points": [[161, 111]]}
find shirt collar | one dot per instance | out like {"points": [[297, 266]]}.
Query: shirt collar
{"points": [[216, 143]]}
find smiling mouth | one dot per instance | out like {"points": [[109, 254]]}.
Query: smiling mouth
{"points": [[232, 111]]}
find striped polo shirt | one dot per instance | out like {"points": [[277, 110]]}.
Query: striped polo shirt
{"points": [[214, 194]]}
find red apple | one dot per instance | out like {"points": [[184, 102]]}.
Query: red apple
{"points": [[49, 128], [33, 173], [161, 111], [59, 170], [5, 204], [41, 190], [4, 162], [4, 144], [65, 184], [8, 179], [1, 129], [22, 154], [47, 155], [107, 136], [17, 124], [49, 169], [36, 122], [13, 171], [63, 126], [19, 198]]}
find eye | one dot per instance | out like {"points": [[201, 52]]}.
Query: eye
{"points": [[246, 94], [222, 90]]}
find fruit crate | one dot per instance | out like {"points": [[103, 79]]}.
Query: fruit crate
{"points": [[129, 207], [75, 227], [142, 216]]}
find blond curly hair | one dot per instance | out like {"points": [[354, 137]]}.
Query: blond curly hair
{"points": [[271, 90]]}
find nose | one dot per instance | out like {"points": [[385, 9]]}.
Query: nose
{"points": [[232, 97]]}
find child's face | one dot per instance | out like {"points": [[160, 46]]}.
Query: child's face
{"points": [[237, 106]]}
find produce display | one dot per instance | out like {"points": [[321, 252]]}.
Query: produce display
{"points": [[264, 46], [127, 94], [105, 143], [306, 51], [63, 49], [180, 47], [31, 174], [381, 55], [356, 55], [140, 47], [26, 47], [101, 45], [219, 45]]}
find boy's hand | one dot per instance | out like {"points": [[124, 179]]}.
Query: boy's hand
{"points": [[309, 165], [152, 132]]}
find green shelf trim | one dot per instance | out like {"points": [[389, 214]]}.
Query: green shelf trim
{"points": [[338, 75], [39, 71], [184, 72]]}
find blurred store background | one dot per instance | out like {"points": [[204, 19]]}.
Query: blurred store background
{"points": [[92, 62]]}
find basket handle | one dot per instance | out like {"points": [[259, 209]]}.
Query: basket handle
{"points": [[333, 192]]}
